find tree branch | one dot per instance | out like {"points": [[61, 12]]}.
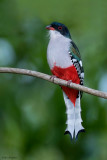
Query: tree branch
{"points": [[55, 80]]}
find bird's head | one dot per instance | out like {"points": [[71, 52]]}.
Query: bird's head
{"points": [[57, 29]]}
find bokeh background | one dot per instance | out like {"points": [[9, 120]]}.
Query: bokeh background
{"points": [[32, 111]]}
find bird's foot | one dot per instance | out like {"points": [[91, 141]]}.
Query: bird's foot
{"points": [[52, 78], [68, 83]]}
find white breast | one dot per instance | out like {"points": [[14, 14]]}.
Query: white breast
{"points": [[58, 50]]}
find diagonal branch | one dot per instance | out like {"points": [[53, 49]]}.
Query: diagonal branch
{"points": [[55, 80]]}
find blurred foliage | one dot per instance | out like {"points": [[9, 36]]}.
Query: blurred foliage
{"points": [[32, 111]]}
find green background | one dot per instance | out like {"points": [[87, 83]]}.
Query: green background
{"points": [[32, 111]]}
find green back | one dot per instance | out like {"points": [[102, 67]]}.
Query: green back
{"points": [[75, 51]]}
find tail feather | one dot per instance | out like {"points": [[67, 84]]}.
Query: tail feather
{"points": [[70, 115], [78, 120], [73, 116]]}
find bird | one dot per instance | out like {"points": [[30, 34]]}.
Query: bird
{"points": [[65, 63]]}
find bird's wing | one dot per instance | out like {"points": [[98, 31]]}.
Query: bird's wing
{"points": [[76, 60]]}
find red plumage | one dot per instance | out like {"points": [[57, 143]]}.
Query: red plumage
{"points": [[69, 73]]}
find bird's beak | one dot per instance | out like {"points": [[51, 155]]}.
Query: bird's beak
{"points": [[50, 27]]}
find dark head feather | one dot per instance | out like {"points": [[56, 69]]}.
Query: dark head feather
{"points": [[61, 28]]}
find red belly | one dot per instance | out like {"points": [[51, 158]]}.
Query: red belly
{"points": [[68, 73]]}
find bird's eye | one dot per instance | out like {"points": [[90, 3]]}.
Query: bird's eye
{"points": [[59, 27]]}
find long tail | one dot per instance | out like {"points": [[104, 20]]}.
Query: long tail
{"points": [[74, 120]]}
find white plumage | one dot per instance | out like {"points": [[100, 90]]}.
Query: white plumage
{"points": [[73, 116], [58, 48]]}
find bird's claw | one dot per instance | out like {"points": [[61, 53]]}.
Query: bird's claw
{"points": [[52, 78], [68, 83]]}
